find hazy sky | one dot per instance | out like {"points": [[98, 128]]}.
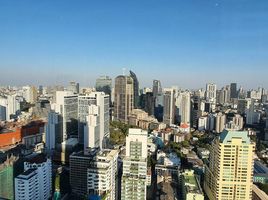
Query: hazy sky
{"points": [[181, 42]]}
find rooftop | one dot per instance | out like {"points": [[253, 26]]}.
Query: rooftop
{"points": [[228, 135]]}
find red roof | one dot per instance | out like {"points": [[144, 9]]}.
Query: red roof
{"points": [[184, 126]]}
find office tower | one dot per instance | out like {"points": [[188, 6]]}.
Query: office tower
{"points": [[104, 84], [36, 180], [252, 115], [183, 104], [135, 88], [233, 87], [195, 110], [157, 88], [135, 166], [123, 97], [67, 106], [7, 178], [238, 121], [9, 106], [101, 100], [53, 130], [211, 92], [191, 188], [243, 105], [102, 175], [79, 163], [73, 87], [147, 103], [229, 174], [220, 122], [169, 107]]}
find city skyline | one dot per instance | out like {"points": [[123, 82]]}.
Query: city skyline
{"points": [[180, 43]]}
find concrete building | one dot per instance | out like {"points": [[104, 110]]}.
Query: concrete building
{"points": [[9, 106], [238, 121], [243, 105], [211, 89], [123, 97], [233, 93], [135, 166], [102, 175], [202, 123], [191, 188], [141, 119], [36, 180], [229, 173], [100, 102], [220, 122]]}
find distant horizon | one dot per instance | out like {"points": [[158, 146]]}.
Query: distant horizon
{"points": [[183, 43]]}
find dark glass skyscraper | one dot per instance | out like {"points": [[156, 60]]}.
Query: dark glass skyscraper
{"points": [[135, 88], [233, 87]]}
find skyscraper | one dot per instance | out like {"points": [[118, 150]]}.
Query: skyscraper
{"points": [[233, 87], [229, 174], [67, 106], [169, 107], [73, 87], [104, 84], [135, 88], [101, 100], [123, 97], [183, 104], [211, 89], [220, 122], [135, 166]]}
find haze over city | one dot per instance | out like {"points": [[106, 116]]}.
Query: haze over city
{"points": [[184, 43]]}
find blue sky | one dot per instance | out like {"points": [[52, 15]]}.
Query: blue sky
{"points": [[181, 42]]}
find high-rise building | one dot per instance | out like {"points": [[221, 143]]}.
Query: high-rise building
{"points": [[102, 175], [79, 163], [211, 89], [36, 180], [73, 87], [224, 95], [233, 93], [238, 121], [169, 107], [123, 97], [9, 106], [7, 178], [30, 94], [229, 174], [183, 104], [220, 122], [104, 84], [135, 166], [101, 100], [135, 88], [67, 106], [53, 130]]}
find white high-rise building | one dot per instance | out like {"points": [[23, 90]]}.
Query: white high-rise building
{"points": [[101, 100], [30, 93], [102, 174], [67, 106], [183, 103], [9, 105], [53, 130], [36, 180], [26, 185], [92, 135], [211, 91], [135, 166]]}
